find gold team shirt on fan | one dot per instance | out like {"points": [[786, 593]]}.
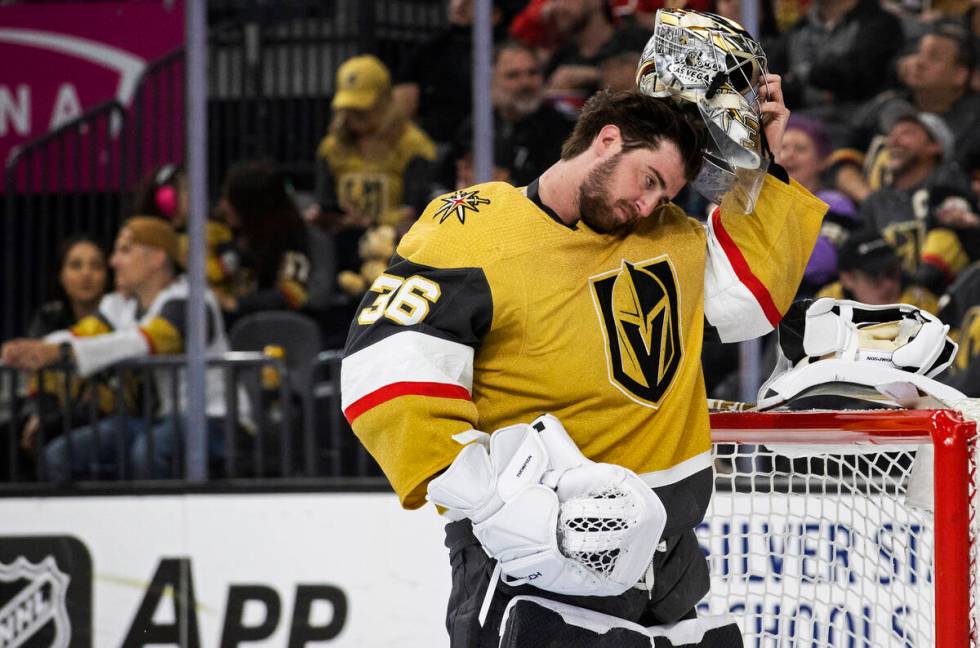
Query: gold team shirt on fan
{"points": [[375, 187], [493, 313]]}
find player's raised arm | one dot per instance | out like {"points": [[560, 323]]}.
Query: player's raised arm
{"points": [[761, 237]]}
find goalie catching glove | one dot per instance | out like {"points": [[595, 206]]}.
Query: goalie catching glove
{"points": [[550, 516]]}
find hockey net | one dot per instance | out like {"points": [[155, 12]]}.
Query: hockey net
{"points": [[830, 528]]}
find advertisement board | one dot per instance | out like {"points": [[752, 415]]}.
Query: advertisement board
{"points": [[354, 569], [222, 570]]}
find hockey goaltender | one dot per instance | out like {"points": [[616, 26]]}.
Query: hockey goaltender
{"points": [[586, 295]]}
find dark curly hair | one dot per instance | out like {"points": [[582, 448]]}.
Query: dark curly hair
{"points": [[644, 122]]}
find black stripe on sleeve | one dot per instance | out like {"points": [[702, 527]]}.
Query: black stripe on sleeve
{"points": [[175, 312], [462, 313]]}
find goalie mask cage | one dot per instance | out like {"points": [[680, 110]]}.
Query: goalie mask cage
{"points": [[815, 537]]}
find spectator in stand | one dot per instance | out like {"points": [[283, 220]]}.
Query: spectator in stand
{"points": [[936, 77], [528, 130], [643, 13], [432, 85], [952, 238], [618, 72], [805, 154], [532, 27], [285, 263], [835, 57], [732, 9], [919, 152], [871, 273], [960, 308], [373, 168], [145, 316], [82, 279], [164, 193], [971, 20], [585, 29], [374, 165]]}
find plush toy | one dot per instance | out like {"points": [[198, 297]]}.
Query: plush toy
{"points": [[375, 248]]}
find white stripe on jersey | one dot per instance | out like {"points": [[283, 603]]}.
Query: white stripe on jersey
{"points": [[729, 305], [408, 356], [681, 471]]}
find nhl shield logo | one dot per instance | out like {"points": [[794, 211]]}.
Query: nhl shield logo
{"points": [[34, 611], [639, 313]]}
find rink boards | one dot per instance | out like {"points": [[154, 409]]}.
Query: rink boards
{"points": [[336, 569]]}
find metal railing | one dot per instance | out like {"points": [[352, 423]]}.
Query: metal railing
{"points": [[268, 432]]}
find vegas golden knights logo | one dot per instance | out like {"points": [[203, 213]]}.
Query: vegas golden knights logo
{"points": [[639, 311]]}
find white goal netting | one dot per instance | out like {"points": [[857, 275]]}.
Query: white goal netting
{"points": [[820, 543]]}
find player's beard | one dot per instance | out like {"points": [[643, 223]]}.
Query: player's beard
{"points": [[597, 207]]}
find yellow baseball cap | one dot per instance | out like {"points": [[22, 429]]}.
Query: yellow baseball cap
{"points": [[360, 81]]}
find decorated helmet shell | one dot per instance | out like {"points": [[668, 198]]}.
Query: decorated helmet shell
{"points": [[712, 62]]}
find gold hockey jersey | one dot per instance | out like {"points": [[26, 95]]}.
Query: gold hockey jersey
{"points": [[492, 312]]}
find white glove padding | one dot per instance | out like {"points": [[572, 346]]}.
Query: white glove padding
{"points": [[595, 536], [549, 515], [487, 473], [899, 335]]}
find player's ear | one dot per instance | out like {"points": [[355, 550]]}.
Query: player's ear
{"points": [[609, 140]]}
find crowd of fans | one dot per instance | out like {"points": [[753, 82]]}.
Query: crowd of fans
{"points": [[885, 129]]}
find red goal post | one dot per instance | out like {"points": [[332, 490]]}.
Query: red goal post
{"points": [[762, 509]]}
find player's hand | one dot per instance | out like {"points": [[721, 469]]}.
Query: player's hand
{"points": [[775, 114]]}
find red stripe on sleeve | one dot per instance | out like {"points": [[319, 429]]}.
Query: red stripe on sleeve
{"points": [[743, 272], [149, 340], [394, 390]]}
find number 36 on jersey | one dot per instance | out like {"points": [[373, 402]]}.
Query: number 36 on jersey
{"points": [[403, 301]]}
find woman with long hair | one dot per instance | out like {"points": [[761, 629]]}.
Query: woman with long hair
{"points": [[82, 279], [283, 263]]}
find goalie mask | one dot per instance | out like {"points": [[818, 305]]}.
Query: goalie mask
{"points": [[841, 348], [712, 62]]}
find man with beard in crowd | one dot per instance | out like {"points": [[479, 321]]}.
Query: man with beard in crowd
{"points": [[919, 163], [528, 130]]}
